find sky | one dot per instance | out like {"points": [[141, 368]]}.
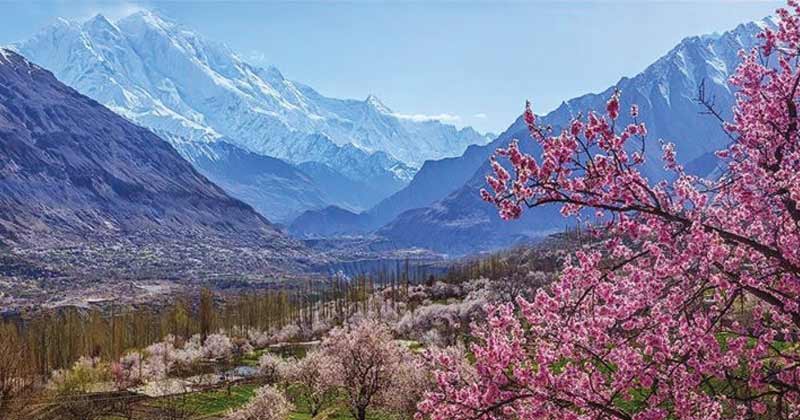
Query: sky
{"points": [[470, 63]]}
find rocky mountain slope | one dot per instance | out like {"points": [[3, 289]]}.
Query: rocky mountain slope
{"points": [[345, 192], [436, 179], [666, 93], [274, 187], [84, 193]]}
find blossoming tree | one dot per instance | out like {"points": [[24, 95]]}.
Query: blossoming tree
{"points": [[273, 368], [690, 311], [268, 403], [366, 364], [312, 380]]}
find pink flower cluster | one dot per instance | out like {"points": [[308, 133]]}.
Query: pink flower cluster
{"points": [[692, 308]]}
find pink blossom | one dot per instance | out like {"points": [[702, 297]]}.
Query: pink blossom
{"points": [[689, 308], [366, 364], [529, 116], [612, 106]]}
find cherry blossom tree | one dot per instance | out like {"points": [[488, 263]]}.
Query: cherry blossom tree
{"points": [[444, 323], [272, 367], [258, 338], [415, 378], [160, 358], [287, 333], [269, 403], [241, 346], [128, 371], [312, 378], [217, 346], [190, 353], [690, 310], [366, 363]]}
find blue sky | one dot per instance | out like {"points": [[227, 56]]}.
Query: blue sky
{"points": [[472, 63]]}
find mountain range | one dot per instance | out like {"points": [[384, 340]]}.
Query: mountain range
{"points": [[283, 147], [195, 93], [441, 209], [86, 193]]}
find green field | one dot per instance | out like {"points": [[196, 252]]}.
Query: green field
{"points": [[216, 403]]}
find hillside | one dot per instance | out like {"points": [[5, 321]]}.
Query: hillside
{"points": [[84, 193]]}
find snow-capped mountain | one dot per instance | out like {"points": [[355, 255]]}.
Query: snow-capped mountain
{"points": [[108, 195], [168, 78], [666, 93]]}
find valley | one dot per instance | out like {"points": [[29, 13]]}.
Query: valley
{"points": [[339, 208], [187, 233]]}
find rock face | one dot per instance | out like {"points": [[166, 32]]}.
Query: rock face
{"points": [[86, 189], [666, 93], [194, 91]]}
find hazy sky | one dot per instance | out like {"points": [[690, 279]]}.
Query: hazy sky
{"points": [[473, 62]]}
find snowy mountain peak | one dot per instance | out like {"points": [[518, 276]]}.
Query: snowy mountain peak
{"points": [[99, 21], [82, 177], [376, 103], [5, 54], [168, 78], [272, 73], [666, 93], [149, 18], [753, 27]]}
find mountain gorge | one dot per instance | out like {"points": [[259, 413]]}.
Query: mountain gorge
{"points": [[275, 187], [194, 92]]}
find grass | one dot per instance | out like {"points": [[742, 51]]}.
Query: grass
{"points": [[208, 403], [251, 359], [298, 351], [413, 345], [336, 411], [218, 402], [302, 412], [330, 414], [289, 350]]}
